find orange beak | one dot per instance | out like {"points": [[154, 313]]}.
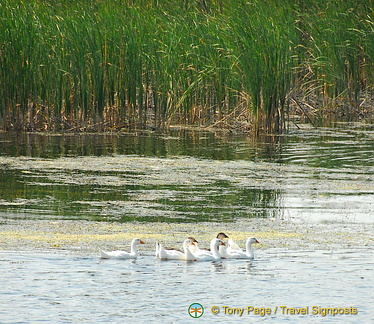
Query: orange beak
{"points": [[257, 241], [142, 242], [192, 243], [223, 243]]}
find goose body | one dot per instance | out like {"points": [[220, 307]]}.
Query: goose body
{"points": [[168, 254], [233, 246], [133, 254], [195, 248], [229, 248], [212, 255], [233, 251]]}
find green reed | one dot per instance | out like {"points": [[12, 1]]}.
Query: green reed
{"points": [[337, 41], [96, 64], [266, 43]]}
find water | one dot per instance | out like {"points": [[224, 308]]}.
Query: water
{"points": [[324, 174], [306, 195], [66, 289]]}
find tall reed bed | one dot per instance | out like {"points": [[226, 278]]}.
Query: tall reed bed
{"points": [[113, 64], [336, 47]]}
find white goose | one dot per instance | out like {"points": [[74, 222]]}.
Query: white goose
{"points": [[222, 248], [195, 248], [159, 246], [231, 245], [167, 254], [233, 251], [212, 255], [123, 254]]}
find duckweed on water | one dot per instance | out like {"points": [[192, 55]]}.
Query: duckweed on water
{"points": [[88, 237], [180, 189]]}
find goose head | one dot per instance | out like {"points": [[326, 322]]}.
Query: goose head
{"points": [[222, 236], [137, 241], [189, 242], [192, 239], [215, 243], [252, 240]]}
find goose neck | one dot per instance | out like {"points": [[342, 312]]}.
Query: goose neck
{"points": [[249, 249]]}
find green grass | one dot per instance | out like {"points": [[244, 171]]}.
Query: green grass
{"points": [[113, 64]]}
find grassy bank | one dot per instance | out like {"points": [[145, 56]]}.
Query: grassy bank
{"points": [[114, 64]]}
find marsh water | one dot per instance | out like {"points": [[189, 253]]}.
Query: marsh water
{"points": [[308, 194]]}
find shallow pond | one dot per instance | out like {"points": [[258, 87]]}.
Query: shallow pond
{"points": [[307, 196]]}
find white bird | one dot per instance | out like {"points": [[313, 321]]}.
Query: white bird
{"points": [[212, 255], [195, 248], [233, 251], [123, 254], [222, 248], [159, 247], [231, 245], [171, 254]]}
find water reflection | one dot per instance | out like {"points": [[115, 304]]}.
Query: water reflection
{"points": [[233, 266], [349, 145], [177, 143], [67, 189], [185, 176]]}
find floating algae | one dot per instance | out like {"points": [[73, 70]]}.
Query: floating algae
{"points": [[181, 189], [88, 236]]}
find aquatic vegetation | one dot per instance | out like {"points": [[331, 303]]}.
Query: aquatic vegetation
{"points": [[88, 236], [147, 64]]}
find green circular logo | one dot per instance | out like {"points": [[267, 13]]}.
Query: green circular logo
{"points": [[196, 310]]}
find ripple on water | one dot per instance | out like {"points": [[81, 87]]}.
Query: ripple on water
{"points": [[62, 288], [182, 189]]}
